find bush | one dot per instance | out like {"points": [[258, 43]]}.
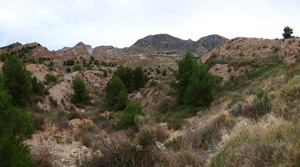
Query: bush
{"points": [[146, 137], [80, 95], [77, 68], [175, 122], [262, 102], [37, 86], [153, 83], [70, 62], [223, 120], [68, 70], [132, 109], [291, 90], [164, 73], [50, 78], [120, 151], [236, 109], [183, 158]]}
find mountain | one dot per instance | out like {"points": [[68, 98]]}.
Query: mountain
{"points": [[168, 43]]}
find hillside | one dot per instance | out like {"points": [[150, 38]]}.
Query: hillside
{"points": [[168, 43], [254, 106], [234, 57]]}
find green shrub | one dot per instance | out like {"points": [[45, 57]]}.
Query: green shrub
{"points": [[70, 62], [132, 109], [158, 71], [164, 73], [291, 90], [236, 109], [223, 120], [80, 95], [174, 144], [105, 73], [68, 70], [77, 68], [153, 83], [50, 78], [262, 102], [146, 136], [37, 86]]}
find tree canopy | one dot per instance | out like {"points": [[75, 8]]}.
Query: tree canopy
{"points": [[18, 81], [195, 82], [16, 126], [287, 32], [116, 93], [80, 95]]}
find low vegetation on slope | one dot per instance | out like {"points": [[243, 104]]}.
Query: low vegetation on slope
{"points": [[238, 106]]}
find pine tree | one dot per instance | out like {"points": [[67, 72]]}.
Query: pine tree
{"points": [[113, 89], [80, 95], [287, 32], [185, 69], [18, 81], [138, 78], [37, 86], [199, 89], [16, 126]]}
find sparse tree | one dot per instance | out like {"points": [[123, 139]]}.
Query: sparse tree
{"points": [[80, 95], [287, 32]]}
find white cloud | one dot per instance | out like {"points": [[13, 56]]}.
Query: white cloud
{"points": [[57, 23]]}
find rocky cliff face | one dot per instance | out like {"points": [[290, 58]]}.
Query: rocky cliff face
{"points": [[165, 43]]}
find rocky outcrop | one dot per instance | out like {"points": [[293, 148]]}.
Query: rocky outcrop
{"points": [[104, 52], [168, 43]]}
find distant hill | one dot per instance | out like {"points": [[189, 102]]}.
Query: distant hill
{"points": [[168, 43]]}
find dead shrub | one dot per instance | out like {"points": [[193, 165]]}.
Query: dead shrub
{"points": [[161, 133], [182, 158], [223, 120], [119, 151]]}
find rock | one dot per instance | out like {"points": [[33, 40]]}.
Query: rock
{"points": [[160, 146], [84, 149]]}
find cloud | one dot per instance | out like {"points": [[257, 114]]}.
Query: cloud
{"points": [[57, 23]]}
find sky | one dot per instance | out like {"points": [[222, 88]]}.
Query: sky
{"points": [[58, 23]]}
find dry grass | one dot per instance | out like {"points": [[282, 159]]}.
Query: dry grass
{"points": [[180, 159], [271, 142]]}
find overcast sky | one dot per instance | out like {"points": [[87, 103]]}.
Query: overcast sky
{"points": [[59, 23]]}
